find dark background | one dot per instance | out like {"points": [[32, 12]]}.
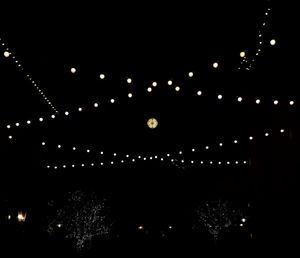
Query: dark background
{"points": [[151, 42]]}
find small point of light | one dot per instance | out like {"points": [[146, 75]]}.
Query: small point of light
{"points": [[96, 105], [21, 216], [140, 227], [8, 126], [59, 225], [199, 92], [243, 220], [170, 82], [111, 162], [266, 134], [92, 164], [17, 124], [64, 166], [133, 160], [73, 70], [228, 162], [282, 130], [73, 166], [201, 162], [242, 54], [28, 122], [10, 137], [55, 167], [207, 147], [41, 119], [74, 148], [80, 109], [193, 150], [115, 154], [192, 162], [129, 95], [219, 162], [48, 166], [168, 155], [237, 162], [154, 84], [220, 144], [155, 156], [241, 225], [52, 116], [180, 152], [82, 164], [275, 102], [182, 161], [215, 65], [101, 163], [67, 113], [122, 161], [101, 76], [245, 162], [257, 101], [240, 99], [211, 162], [6, 53], [291, 102], [220, 96], [43, 143], [191, 74], [129, 80], [127, 156], [170, 227], [59, 146], [177, 88], [150, 158], [250, 138], [273, 42], [112, 101], [235, 141], [172, 160], [88, 151], [144, 158], [149, 89]]}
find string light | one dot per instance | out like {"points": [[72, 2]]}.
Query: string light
{"points": [[154, 84], [41, 119], [239, 99], [112, 101], [199, 92], [67, 113], [257, 101], [215, 65], [80, 109], [96, 105], [177, 88], [191, 74], [73, 70], [242, 54], [275, 102], [7, 53], [129, 95], [220, 96], [129, 80], [170, 82], [272, 42], [101, 76], [291, 103], [149, 89]]}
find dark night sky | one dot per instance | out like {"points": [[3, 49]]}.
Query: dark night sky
{"points": [[150, 42]]}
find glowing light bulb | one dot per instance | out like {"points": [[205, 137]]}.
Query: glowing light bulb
{"points": [[220, 96], [275, 102], [154, 84], [170, 82], [96, 105], [199, 92], [149, 89], [52, 116], [257, 101], [28, 122], [235, 141], [191, 74], [215, 65], [73, 70], [112, 101], [67, 113], [129, 95], [272, 42], [291, 103], [129, 80], [6, 53], [177, 88], [41, 119], [240, 99], [101, 76]]}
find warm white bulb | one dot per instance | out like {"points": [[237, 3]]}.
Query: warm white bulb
{"points": [[96, 105], [6, 54], [193, 150], [242, 54], [191, 74], [154, 84], [80, 109], [250, 138], [43, 143], [73, 70], [10, 137], [102, 76], [112, 101], [129, 80], [220, 144], [177, 88], [74, 148], [88, 151], [67, 113], [215, 65], [220, 96], [170, 82], [41, 119], [292, 102], [17, 124], [282, 130], [240, 99], [149, 89], [245, 162], [59, 146], [8, 126], [199, 92], [266, 134], [237, 162], [52, 116], [207, 147], [228, 162], [273, 42], [129, 95], [275, 102], [257, 101], [235, 141], [28, 122]]}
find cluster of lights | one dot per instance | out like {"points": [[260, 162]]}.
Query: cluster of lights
{"points": [[173, 158], [246, 61], [8, 54]]}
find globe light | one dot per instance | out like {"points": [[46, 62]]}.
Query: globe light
{"points": [[101, 76], [43, 143], [28, 122], [207, 147], [282, 130], [275, 102], [220, 96], [129, 80], [250, 138], [220, 144], [177, 88], [257, 101], [170, 82], [149, 89], [96, 105], [154, 84], [8, 126], [80, 109], [59, 146], [67, 113], [242, 54], [191, 74], [74, 148], [235, 141], [266, 134], [112, 101], [291, 102], [240, 99], [272, 42], [129, 95], [52, 116], [41, 119], [199, 92], [6, 53], [73, 70], [215, 65], [17, 124], [10, 137]]}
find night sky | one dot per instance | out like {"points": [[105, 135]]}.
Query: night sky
{"points": [[220, 78]]}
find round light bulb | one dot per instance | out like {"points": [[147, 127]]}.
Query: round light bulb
{"points": [[272, 42], [101, 76], [199, 92], [215, 65], [191, 74], [149, 89], [129, 95], [243, 54], [170, 82], [6, 54], [177, 88], [73, 70], [129, 80]]}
